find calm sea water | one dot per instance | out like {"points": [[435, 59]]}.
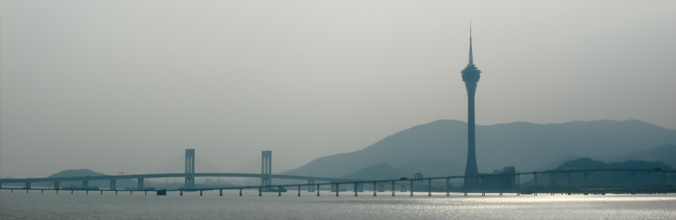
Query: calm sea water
{"points": [[19, 205]]}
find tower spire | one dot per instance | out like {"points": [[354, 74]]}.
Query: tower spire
{"points": [[471, 55]]}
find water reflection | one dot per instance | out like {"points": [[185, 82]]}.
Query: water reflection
{"points": [[34, 205]]}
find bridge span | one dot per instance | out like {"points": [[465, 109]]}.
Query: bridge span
{"points": [[632, 181], [189, 175], [171, 175]]}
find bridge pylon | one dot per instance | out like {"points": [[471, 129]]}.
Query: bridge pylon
{"points": [[190, 168], [266, 168]]}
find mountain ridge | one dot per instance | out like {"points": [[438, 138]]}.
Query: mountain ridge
{"points": [[526, 145]]}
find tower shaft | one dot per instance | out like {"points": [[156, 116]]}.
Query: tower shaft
{"points": [[471, 166]]}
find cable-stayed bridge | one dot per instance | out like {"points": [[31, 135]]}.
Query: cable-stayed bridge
{"points": [[189, 175]]}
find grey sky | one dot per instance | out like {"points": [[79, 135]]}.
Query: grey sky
{"points": [[128, 85]]}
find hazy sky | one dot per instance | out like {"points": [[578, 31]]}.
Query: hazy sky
{"points": [[126, 86]]}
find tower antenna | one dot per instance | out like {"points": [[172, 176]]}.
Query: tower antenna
{"points": [[471, 55]]}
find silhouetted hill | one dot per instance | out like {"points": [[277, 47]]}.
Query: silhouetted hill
{"points": [[558, 162], [665, 153], [76, 173], [430, 167], [527, 146], [587, 163], [121, 183], [378, 172], [624, 179]]}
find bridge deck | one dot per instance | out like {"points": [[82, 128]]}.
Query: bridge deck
{"points": [[171, 175]]}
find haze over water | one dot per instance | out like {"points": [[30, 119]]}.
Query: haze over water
{"points": [[86, 83], [34, 205]]}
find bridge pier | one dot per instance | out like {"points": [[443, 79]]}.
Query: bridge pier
{"points": [[535, 183], [585, 184], [355, 189], [190, 182], [569, 183], [393, 189], [552, 183], [337, 189], [410, 185], [220, 191], [240, 191], [429, 187], [317, 190], [518, 184], [633, 184], [139, 183], [665, 182], [448, 186], [310, 187], [279, 191], [260, 191], [375, 189], [298, 190]]}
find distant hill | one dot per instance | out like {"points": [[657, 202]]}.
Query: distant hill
{"points": [[587, 163], [122, 183], [527, 146], [665, 153], [429, 167], [76, 173], [624, 179], [558, 162], [378, 172]]}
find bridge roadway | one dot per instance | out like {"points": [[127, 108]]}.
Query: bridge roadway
{"points": [[358, 185], [170, 175], [335, 182]]}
